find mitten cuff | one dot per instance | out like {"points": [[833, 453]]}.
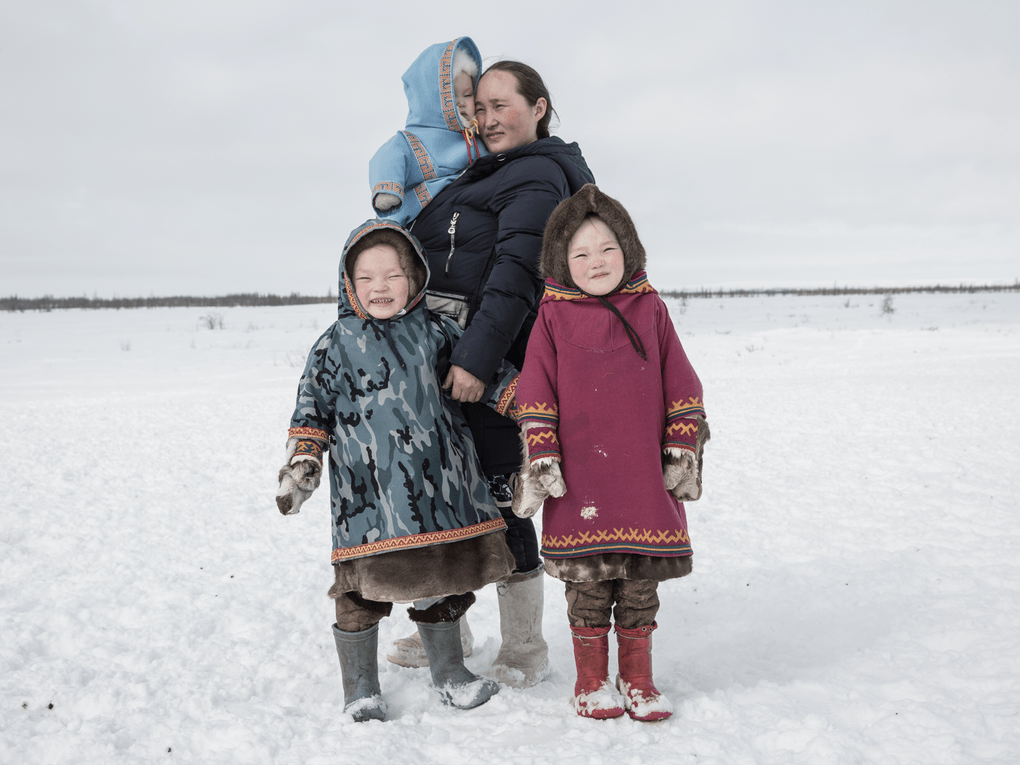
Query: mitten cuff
{"points": [[307, 450], [674, 454], [388, 187], [305, 444]]}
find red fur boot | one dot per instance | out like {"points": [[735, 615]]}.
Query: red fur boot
{"points": [[593, 694], [641, 697]]}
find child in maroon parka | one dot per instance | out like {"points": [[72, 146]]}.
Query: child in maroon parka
{"points": [[613, 426]]}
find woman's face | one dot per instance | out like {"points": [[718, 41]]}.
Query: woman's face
{"points": [[505, 118], [594, 258]]}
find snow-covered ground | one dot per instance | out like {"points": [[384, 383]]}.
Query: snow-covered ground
{"points": [[856, 594]]}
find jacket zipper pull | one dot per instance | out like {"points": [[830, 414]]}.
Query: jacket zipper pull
{"points": [[452, 231]]}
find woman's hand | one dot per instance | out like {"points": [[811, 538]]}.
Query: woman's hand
{"points": [[463, 385]]}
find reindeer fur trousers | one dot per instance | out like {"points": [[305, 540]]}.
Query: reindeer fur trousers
{"points": [[629, 603]]}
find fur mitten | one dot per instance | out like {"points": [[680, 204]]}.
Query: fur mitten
{"points": [[299, 477], [678, 473], [536, 482], [384, 201], [541, 481], [681, 469]]}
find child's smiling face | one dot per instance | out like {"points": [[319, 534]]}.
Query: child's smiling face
{"points": [[380, 283], [464, 94], [595, 258]]}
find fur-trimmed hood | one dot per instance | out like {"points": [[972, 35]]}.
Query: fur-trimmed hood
{"points": [[428, 83], [568, 217], [347, 302]]}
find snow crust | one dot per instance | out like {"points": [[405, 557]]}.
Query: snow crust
{"points": [[856, 586]]}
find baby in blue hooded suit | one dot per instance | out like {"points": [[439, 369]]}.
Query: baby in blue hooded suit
{"points": [[438, 141]]}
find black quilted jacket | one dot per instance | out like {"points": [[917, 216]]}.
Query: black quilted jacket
{"points": [[483, 239]]}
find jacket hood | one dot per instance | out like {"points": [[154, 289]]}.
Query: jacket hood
{"points": [[567, 218], [348, 305], [428, 83]]}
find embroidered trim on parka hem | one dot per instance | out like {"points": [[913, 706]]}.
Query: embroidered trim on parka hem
{"points": [[643, 542], [418, 540]]}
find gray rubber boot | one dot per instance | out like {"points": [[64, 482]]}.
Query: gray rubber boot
{"points": [[359, 668], [408, 651], [523, 658], [457, 685]]}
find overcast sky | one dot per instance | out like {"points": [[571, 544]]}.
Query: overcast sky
{"points": [[212, 146]]}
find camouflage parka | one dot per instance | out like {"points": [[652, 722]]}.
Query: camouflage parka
{"points": [[403, 471]]}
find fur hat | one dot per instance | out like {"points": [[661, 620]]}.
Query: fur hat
{"points": [[567, 218]]}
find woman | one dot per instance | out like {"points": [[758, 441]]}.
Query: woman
{"points": [[483, 239]]}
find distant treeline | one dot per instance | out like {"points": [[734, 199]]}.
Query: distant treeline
{"points": [[707, 293], [49, 303]]}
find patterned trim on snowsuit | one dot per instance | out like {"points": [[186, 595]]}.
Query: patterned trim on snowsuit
{"points": [[428, 172], [640, 541], [446, 95], [388, 187], [418, 540]]}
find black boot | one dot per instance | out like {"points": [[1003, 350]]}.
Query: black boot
{"points": [[359, 668], [457, 685]]}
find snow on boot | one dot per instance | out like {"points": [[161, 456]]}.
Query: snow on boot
{"points": [[457, 685], [523, 659], [593, 694], [642, 698], [408, 651], [359, 668]]}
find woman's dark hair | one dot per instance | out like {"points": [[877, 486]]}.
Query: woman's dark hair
{"points": [[531, 86]]}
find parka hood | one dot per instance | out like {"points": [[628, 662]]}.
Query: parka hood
{"points": [[428, 83], [567, 218], [347, 304]]}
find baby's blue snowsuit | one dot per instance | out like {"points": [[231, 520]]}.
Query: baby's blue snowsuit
{"points": [[435, 147]]}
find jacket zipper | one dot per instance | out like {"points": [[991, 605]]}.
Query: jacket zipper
{"points": [[452, 231]]}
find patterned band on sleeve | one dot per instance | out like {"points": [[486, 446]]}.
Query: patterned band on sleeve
{"points": [[543, 442], [682, 434], [507, 404], [305, 433], [681, 423]]}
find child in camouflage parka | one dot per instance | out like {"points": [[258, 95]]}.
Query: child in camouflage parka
{"points": [[413, 520]]}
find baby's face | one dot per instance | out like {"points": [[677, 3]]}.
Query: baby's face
{"points": [[464, 93], [380, 283], [595, 258]]}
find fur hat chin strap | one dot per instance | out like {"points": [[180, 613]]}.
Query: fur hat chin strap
{"points": [[631, 334]]}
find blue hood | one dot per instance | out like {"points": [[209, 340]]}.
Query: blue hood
{"points": [[428, 84]]}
